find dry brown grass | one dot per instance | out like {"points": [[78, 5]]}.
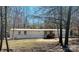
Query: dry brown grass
{"points": [[29, 43]]}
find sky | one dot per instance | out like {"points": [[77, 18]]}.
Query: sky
{"points": [[28, 10]]}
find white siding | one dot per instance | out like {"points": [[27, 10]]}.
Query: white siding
{"points": [[36, 33], [30, 34]]}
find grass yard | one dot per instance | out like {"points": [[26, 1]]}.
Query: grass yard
{"points": [[39, 45], [29, 45]]}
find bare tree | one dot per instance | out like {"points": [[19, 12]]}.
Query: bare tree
{"points": [[6, 29], [67, 27], [1, 35], [60, 39]]}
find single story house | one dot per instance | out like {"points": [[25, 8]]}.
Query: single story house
{"points": [[33, 33]]}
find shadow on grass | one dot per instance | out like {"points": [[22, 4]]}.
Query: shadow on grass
{"points": [[66, 49]]}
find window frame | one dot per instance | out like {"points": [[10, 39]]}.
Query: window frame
{"points": [[19, 32], [25, 32]]}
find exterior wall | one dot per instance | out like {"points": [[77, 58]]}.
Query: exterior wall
{"points": [[32, 34], [57, 33]]}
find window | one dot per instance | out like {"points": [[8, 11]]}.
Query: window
{"points": [[19, 32], [25, 32]]}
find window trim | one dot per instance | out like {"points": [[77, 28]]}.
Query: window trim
{"points": [[19, 32], [25, 32]]}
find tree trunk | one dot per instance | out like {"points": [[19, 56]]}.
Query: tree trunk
{"points": [[78, 31], [67, 27], [6, 29], [60, 38], [1, 30]]}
